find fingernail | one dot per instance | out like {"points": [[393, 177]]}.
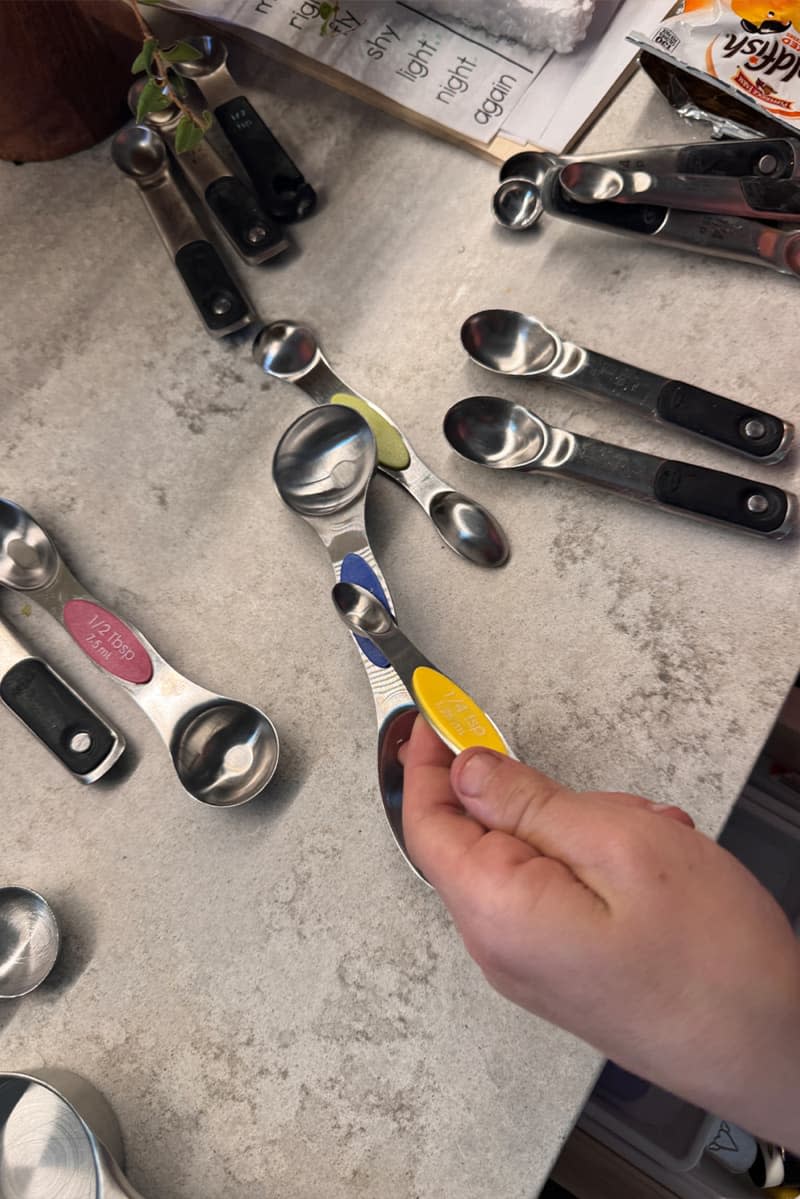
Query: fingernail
{"points": [[472, 776]]}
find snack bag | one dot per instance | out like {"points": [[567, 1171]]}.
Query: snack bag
{"points": [[749, 48]]}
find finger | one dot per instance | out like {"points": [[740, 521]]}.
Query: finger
{"points": [[437, 830], [504, 794], [672, 813]]}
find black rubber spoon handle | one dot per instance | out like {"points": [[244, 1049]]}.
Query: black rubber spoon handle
{"points": [[60, 719], [281, 186]]}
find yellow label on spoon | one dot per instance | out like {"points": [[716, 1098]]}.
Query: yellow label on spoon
{"points": [[392, 449], [453, 714]]}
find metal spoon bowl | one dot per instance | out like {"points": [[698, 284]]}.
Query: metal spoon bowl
{"points": [[509, 343], [139, 152], [286, 350], [59, 1139], [469, 529], [29, 941], [28, 558], [532, 165], [517, 204], [225, 754], [214, 52], [495, 432], [591, 182], [324, 461]]}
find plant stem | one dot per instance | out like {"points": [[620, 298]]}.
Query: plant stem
{"points": [[162, 70]]}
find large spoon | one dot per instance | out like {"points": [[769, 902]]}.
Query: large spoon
{"points": [[281, 186], [507, 436], [289, 351], [141, 155], [59, 1139], [452, 714], [511, 343], [224, 751], [322, 468]]}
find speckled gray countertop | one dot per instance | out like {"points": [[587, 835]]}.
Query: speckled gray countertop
{"points": [[271, 1001]]}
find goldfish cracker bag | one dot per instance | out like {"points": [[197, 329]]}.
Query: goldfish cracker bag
{"points": [[747, 48]]}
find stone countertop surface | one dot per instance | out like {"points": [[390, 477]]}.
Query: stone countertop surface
{"points": [[271, 1001]]}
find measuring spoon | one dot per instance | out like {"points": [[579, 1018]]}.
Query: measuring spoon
{"points": [[289, 351], [233, 204], [738, 238], [224, 751], [64, 722], [322, 468], [140, 154], [511, 343], [764, 199], [59, 1139], [518, 206], [450, 712], [507, 436], [281, 186]]}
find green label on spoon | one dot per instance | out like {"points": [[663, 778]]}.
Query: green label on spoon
{"points": [[392, 449]]}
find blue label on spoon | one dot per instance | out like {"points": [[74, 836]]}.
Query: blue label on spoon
{"points": [[356, 570]]}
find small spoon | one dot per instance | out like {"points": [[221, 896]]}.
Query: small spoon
{"points": [[139, 152], [224, 751], [450, 712], [507, 436], [322, 468], [29, 941], [511, 343], [289, 351], [281, 186]]}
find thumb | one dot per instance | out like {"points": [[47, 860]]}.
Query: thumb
{"points": [[506, 795]]}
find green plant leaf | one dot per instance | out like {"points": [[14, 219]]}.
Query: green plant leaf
{"points": [[181, 52], [177, 83], [188, 136], [144, 57], [152, 99]]}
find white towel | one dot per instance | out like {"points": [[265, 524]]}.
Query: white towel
{"points": [[560, 24]]}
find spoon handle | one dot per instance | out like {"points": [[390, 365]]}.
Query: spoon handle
{"points": [[737, 238], [254, 236], [281, 186], [64, 723], [218, 300], [757, 434], [710, 495]]}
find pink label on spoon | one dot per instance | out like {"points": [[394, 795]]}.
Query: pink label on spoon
{"points": [[107, 641]]}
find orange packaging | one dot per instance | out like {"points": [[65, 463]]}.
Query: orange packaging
{"points": [[745, 47]]}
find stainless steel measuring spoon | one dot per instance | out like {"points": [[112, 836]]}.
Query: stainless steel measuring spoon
{"points": [[763, 199], [518, 206], [322, 468], [738, 238], [59, 1139], [508, 436], [30, 941], [281, 186], [289, 351], [254, 236], [452, 714], [224, 751], [140, 154], [511, 343], [64, 722]]}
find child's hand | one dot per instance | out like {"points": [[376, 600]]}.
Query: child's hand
{"points": [[614, 918]]}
